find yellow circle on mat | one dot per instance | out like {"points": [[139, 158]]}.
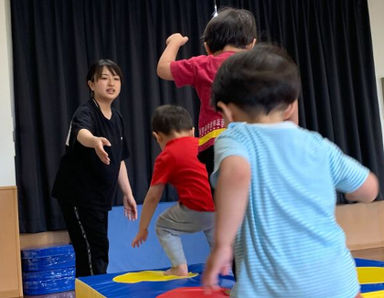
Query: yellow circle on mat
{"points": [[134, 277], [370, 275]]}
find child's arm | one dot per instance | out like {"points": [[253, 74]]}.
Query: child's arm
{"points": [[87, 139], [367, 192], [130, 208], [173, 44], [231, 197], [150, 203]]}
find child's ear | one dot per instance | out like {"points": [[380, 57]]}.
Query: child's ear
{"points": [[192, 132], [156, 136], [291, 113], [226, 111], [207, 49], [251, 45]]}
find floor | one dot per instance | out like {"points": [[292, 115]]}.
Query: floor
{"points": [[55, 295]]}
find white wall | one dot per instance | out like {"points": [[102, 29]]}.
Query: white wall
{"points": [[7, 148], [7, 151], [376, 15]]}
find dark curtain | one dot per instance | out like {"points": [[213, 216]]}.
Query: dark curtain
{"points": [[54, 43]]}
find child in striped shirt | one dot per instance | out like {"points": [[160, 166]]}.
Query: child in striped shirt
{"points": [[276, 187]]}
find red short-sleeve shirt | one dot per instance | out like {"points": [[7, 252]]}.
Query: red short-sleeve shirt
{"points": [[199, 72], [178, 165]]}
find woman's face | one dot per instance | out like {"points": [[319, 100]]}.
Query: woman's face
{"points": [[107, 87]]}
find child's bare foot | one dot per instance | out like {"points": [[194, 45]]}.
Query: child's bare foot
{"points": [[180, 270]]}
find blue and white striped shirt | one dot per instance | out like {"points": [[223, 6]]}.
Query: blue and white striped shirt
{"points": [[289, 244]]}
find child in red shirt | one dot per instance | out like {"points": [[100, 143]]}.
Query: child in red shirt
{"points": [[232, 30], [178, 165]]}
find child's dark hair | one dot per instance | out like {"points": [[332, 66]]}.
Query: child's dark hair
{"points": [[235, 27], [259, 80], [169, 118], [96, 69]]}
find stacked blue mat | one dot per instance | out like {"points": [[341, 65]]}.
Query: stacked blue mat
{"points": [[48, 270]]}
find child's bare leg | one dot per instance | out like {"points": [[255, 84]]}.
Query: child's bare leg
{"points": [[180, 270]]}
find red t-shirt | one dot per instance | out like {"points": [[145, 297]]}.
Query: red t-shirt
{"points": [[178, 165], [200, 72]]}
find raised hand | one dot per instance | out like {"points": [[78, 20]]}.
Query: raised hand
{"points": [[177, 38]]}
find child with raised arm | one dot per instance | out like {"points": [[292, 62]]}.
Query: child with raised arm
{"points": [[276, 187], [231, 31], [178, 165]]}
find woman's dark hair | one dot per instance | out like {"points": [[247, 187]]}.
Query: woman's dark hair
{"points": [[235, 27], [258, 80], [96, 69], [168, 118]]}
